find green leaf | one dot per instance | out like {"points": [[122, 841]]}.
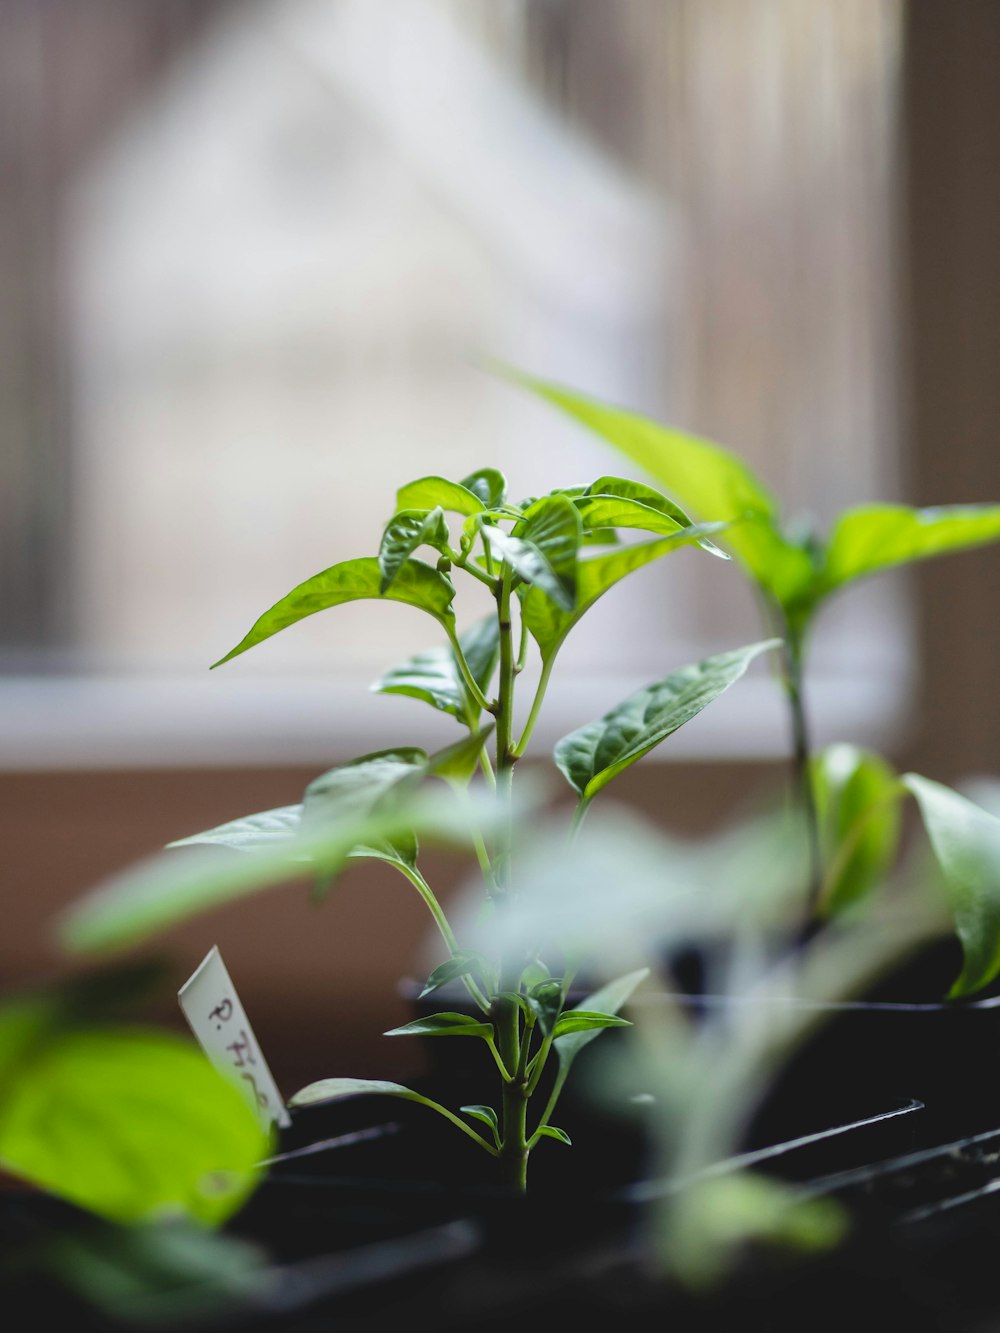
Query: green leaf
{"points": [[433, 676], [544, 551], [125, 1122], [545, 1001], [443, 1025], [607, 1000], [966, 842], [251, 832], [553, 526], [582, 1020], [404, 533], [875, 537], [431, 492], [549, 625], [277, 828], [336, 1089], [488, 1116], [170, 888], [416, 584], [551, 1132], [164, 1274], [355, 789], [714, 483], [857, 801], [487, 485], [594, 754], [463, 963], [619, 503], [456, 763]]}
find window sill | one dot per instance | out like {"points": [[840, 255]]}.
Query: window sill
{"points": [[140, 722]]}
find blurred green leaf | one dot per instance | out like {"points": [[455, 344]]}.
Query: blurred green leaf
{"points": [[464, 963], [127, 1123], [170, 888], [879, 536], [714, 483], [858, 805], [251, 832], [594, 754], [353, 790], [966, 843], [416, 584]]}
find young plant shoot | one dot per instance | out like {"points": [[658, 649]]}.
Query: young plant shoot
{"points": [[545, 562], [793, 569]]}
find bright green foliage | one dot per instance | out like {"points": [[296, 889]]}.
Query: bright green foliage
{"points": [[414, 583], [436, 492], [876, 537], [591, 756], [543, 549], [966, 843], [434, 677], [403, 534], [549, 623], [798, 574], [385, 805], [858, 803], [126, 1122]]}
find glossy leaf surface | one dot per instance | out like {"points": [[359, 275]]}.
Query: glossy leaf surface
{"points": [[966, 842], [544, 551], [553, 1132], [433, 676], [415, 584], [549, 624], [434, 492], [443, 1025], [586, 1020], [405, 533], [488, 1117], [608, 1000], [593, 755], [857, 802], [487, 485], [621, 503]]}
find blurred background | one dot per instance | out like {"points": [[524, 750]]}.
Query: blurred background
{"points": [[252, 258]]}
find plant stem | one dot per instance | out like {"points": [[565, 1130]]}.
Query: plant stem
{"points": [[506, 754], [470, 681], [514, 1106], [536, 705], [441, 921], [802, 753]]}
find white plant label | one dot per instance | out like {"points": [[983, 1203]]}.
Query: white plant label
{"points": [[218, 1020]]}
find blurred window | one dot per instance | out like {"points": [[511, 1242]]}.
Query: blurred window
{"points": [[256, 290]]}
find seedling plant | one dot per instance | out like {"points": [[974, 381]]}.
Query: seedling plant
{"points": [[544, 562]]}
